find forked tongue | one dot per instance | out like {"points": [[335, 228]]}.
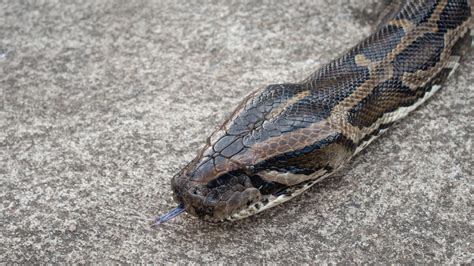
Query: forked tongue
{"points": [[168, 216]]}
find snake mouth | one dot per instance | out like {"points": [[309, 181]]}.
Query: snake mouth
{"points": [[218, 199], [232, 196], [226, 197], [268, 201]]}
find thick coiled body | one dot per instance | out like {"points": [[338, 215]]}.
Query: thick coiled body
{"points": [[283, 138]]}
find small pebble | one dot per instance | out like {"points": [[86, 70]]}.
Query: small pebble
{"points": [[72, 227]]}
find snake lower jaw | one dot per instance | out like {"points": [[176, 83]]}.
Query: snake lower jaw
{"points": [[272, 200], [211, 204]]}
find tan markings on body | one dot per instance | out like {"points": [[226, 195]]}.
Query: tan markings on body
{"points": [[380, 71], [361, 60], [280, 108], [420, 78], [402, 23]]}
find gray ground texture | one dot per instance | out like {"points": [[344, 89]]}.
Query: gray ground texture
{"points": [[103, 101]]}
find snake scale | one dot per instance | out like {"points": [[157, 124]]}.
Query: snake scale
{"points": [[283, 138]]}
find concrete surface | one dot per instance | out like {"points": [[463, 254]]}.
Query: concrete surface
{"points": [[103, 101]]}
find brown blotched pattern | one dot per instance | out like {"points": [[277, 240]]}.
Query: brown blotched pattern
{"points": [[286, 134], [101, 103]]}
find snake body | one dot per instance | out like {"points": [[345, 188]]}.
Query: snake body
{"points": [[283, 138]]}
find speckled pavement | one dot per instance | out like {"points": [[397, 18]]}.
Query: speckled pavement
{"points": [[102, 102]]}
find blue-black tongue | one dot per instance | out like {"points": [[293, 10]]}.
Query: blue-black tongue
{"points": [[168, 216]]}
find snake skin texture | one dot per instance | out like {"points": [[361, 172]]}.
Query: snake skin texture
{"points": [[283, 138]]}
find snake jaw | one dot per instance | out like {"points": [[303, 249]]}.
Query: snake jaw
{"points": [[272, 200], [215, 201], [216, 211], [241, 204], [236, 194], [229, 201]]}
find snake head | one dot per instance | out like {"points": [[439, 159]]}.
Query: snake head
{"points": [[218, 199], [265, 153]]}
